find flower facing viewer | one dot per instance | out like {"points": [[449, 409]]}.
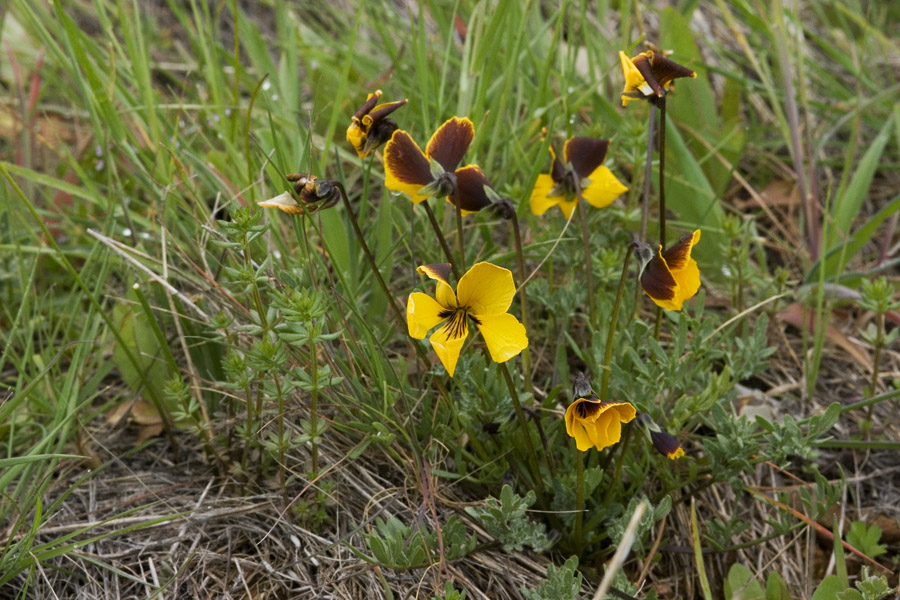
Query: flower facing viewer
{"points": [[483, 296], [314, 194], [594, 422], [434, 172], [370, 127], [650, 75], [670, 277], [582, 169]]}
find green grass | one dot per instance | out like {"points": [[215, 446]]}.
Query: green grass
{"points": [[141, 142]]}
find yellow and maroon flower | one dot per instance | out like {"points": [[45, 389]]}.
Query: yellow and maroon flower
{"points": [[594, 422], [421, 175], [670, 277], [483, 296], [664, 442], [314, 195], [370, 127], [583, 163], [650, 75]]}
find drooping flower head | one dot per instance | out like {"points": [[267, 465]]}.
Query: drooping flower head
{"points": [[370, 127], [649, 76], [594, 422], [314, 195], [670, 277], [664, 442], [434, 172], [483, 295], [583, 162]]}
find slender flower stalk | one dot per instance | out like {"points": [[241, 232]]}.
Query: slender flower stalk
{"points": [[645, 194], [613, 319], [579, 502], [588, 261], [314, 405], [461, 241], [443, 240], [523, 426], [523, 303]]}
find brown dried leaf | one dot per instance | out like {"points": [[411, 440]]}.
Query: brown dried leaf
{"points": [[145, 413]]}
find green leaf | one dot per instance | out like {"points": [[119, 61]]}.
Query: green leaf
{"points": [[776, 588], [848, 204], [840, 255], [829, 589], [742, 585]]}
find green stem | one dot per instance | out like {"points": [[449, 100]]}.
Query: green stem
{"points": [[314, 407], [586, 242], [520, 258], [662, 172], [523, 425], [579, 502], [621, 448], [440, 236], [461, 241], [401, 320], [876, 361], [282, 479], [611, 333], [662, 196], [645, 197]]}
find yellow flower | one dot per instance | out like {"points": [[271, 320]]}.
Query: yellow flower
{"points": [[670, 277], [370, 127], [664, 442], [597, 423], [584, 158], [314, 195], [483, 295], [650, 76], [421, 175]]}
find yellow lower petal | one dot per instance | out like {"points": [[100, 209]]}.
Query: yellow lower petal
{"points": [[422, 314], [567, 207], [448, 342], [583, 440], [411, 190], [540, 201], [603, 189], [504, 335]]}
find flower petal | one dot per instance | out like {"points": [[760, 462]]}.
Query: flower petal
{"points": [[658, 282], [436, 271], [440, 272], [371, 101], [406, 167], [449, 339], [684, 268], [470, 194], [504, 335], [422, 313], [357, 136], [450, 142], [603, 189], [284, 202], [540, 201], [383, 110], [585, 154], [666, 444], [634, 81], [486, 289], [665, 70], [568, 207], [575, 427]]}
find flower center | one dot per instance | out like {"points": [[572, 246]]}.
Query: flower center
{"points": [[456, 327]]}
